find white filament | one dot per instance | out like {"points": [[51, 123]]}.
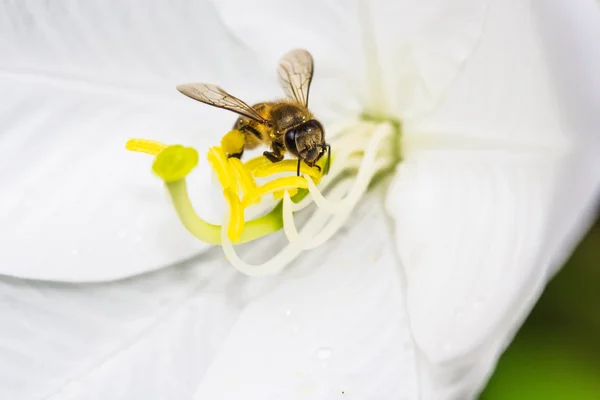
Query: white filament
{"points": [[288, 253], [342, 209], [319, 228], [348, 153]]}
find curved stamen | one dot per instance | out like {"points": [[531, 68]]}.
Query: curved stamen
{"points": [[284, 256], [343, 208], [360, 147]]}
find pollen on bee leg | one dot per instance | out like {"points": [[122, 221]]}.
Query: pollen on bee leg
{"points": [[233, 142], [152, 147]]}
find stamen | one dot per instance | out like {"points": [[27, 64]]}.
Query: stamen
{"points": [[256, 163], [236, 222], [360, 147], [288, 253], [343, 208], [286, 166], [243, 175], [152, 147], [219, 162], [287, 183], [279, 194]]}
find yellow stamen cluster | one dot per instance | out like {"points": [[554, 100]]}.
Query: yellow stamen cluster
{"points": [[239, 180], [364, 148]]}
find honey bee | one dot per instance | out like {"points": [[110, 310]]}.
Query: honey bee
{"points": [[283, 125]]}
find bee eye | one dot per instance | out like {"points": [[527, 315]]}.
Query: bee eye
{"points": [[290, 141]]}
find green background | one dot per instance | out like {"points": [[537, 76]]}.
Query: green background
{"points": [[556, 354]]}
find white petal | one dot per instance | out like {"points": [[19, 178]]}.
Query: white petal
{"points": [[393, 58], [504, 96], [471, 234], [148, 337], [80, 79], [334, 321], [335, 326], [570, 35], [483, 220]]}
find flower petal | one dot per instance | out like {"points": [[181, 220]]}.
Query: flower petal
{"points": [[149, 337], [495, 189], [388, 58], [334, 327], [504, 95], [335, 321], [83, 78]]}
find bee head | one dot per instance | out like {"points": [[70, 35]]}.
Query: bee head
{"points": [[306, 141]]}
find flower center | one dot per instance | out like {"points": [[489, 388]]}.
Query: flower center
{"points": [[361, 149]]}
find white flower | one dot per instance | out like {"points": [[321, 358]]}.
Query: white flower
{"points": [[498, 107]]}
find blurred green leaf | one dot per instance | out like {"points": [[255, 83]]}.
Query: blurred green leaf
{"points": [[556, 354]]}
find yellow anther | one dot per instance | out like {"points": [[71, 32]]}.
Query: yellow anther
{"points": [[256, 162], [219, 162], [174, 163], [152, 147], [236, 212], [233, 142], [279, 194], [287, 183], [243, 175], [286, 166]]}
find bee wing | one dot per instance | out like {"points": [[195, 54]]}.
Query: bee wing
{"points": [[295, 72], [216, 96]]}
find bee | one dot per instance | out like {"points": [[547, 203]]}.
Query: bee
{"points": [[285, 125]]}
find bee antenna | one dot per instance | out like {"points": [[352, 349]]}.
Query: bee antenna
{"points": [[328, 164]]}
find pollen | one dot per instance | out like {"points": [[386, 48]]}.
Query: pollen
{"points": [[152, 147], [233, 142]]}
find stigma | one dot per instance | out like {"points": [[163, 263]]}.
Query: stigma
{"points": [[361, 150]]}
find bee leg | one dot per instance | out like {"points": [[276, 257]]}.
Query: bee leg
{"points": [[273, 156], [236, 155], [298, 169], [276, 155], [328, 163], [312, 165]]}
